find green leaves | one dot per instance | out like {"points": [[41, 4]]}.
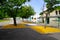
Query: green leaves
{"points": [[8, 7], [2, 1], [50, 4], [12, 7], [26, 11], [57, 8], [18, 2]]}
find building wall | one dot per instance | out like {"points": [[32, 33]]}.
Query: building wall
{"points": [[44, 15], [52, 20], [53, 13]]}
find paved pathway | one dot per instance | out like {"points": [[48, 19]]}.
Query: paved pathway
{"points": [[51, 25], [23, 34], [55, 35]]}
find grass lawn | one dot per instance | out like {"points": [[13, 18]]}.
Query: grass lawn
{"points": [[3, 20]]}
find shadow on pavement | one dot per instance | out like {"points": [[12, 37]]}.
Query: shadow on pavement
{"points": [[22, 34]]}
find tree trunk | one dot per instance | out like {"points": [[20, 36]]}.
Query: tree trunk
{"points": [[14, 18]]}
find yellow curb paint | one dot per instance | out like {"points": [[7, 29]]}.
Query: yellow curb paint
{"points": [[42, 30], [11, 26]]}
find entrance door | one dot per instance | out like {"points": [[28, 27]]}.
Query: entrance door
{"points": [[47, 20]]}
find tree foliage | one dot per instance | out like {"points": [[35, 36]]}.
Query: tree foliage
{"points": [[57, 8], [26, 11], [11, 7], [51, 5]]}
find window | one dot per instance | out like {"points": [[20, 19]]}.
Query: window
{"points": [[56, 12], [59, 12]]}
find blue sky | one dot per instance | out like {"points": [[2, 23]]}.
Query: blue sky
{"points": [[37, 5]]}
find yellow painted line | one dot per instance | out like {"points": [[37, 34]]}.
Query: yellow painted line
{"points": [[43, 30]]}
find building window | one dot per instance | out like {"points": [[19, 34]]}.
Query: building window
{"points": [[56, 12], [59, 12]]}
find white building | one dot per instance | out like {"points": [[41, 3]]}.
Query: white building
{"points": [[53, 17], [34, 18]]}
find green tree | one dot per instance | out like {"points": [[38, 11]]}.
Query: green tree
{"points": [[50, 6], [26, 12], [2, 2], [11, 7]]}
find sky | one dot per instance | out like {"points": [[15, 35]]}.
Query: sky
{"points": [[37, 5]]}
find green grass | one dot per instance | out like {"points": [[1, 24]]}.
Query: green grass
{"points": [[3, 20]]}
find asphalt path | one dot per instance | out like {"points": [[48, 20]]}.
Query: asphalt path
{"points": [[23, 34]]}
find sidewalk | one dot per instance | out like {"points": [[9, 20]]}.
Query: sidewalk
{"points": [[43, 24], [55, 35], [51, 25]]}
